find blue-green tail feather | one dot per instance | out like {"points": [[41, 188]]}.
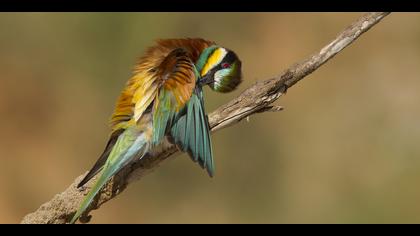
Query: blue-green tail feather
{"points": [[130, 144]]}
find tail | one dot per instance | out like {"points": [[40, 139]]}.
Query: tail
{"points": [[130, 144]]}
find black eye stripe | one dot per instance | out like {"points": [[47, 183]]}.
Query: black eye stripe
{"points": [[229, 58]]}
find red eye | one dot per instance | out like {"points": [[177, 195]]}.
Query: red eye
{"points": [[225, 65]]}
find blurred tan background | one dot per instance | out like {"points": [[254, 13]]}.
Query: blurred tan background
{"points": [[345, 149]]}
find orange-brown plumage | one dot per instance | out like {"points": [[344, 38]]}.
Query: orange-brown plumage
{"points": [[149, 74], [162, 102]]}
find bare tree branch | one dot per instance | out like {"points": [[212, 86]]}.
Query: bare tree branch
{"points": [[257, 98]]}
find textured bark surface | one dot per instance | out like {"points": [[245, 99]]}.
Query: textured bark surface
{"points": [[257, 98]]}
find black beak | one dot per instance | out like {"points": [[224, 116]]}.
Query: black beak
{"points": [[207, 79]]}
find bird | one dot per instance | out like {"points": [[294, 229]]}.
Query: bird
{"points": [[163, 100]]}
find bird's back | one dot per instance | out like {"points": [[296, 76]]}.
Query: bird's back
{"points": [[138, 86]]}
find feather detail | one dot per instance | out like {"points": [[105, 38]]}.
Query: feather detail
{"points": [[130, 144], [142, 87], [191, 132], [177, 73], [102, 159]]}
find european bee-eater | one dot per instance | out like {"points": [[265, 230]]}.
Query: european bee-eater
{"points": [[164, 99]]}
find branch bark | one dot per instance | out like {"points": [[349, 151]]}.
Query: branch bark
{"points": [[256, 99]]}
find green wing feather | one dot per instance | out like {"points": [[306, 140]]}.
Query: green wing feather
{"points": [[178, 75], [189, 127], [162, 116], [179, 110], [191, 132]]}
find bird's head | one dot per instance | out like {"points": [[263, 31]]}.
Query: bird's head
{"points": [[220, 68]]}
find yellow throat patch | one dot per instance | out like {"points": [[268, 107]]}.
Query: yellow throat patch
{"points": [[215, 58]]}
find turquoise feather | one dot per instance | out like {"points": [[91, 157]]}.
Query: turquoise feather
{"points": [[191, 132], [204, 56], [130, 144]]}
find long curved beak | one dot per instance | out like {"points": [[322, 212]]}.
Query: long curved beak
{"points": [[207, 79]]}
